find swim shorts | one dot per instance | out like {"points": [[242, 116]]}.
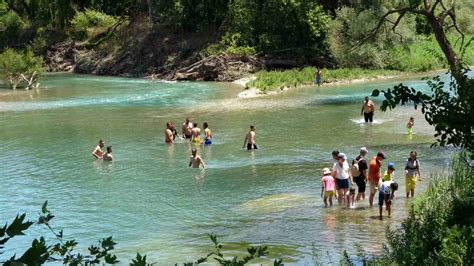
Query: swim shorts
{"points": [[369, 117], [410, 183], [251, 146], [329, 194], [342, 183], [208, 142], [373, 187], [360, 181], [383, 197]]}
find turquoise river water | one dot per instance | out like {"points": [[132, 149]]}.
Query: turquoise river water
{"points": [[151, 203]]}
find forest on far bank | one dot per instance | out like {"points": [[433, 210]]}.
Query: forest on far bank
{"points": [[139, 37]]}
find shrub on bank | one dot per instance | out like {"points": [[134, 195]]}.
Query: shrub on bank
{"points": [[89, 18]]}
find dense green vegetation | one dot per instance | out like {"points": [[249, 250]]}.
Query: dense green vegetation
{"points": [[323, 33]]}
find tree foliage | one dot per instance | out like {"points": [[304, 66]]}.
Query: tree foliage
{"points": [[20, 69], [450, 110]]}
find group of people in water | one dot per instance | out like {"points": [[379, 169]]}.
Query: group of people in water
{"points": [[339, 182]]}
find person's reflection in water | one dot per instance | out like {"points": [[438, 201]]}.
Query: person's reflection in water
{"points": [[330, 228], [171, 152], [198, 177], [254, 166]]}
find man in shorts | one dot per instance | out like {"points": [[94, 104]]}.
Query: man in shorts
{"points": [[375, 174], [361, 179], [368, 109], [250, 139]]}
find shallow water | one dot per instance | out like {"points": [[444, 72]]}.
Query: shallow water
{"points": [[151, 203]]}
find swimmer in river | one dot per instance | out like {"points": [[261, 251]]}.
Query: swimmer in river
{"points": [[108, 155], [195, 160], [196, 135], [207, 134], [169, 136], [250, 139], [98, 152], [186, 128]]}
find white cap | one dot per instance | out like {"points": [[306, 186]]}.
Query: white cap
{"points": [[364, 149]]}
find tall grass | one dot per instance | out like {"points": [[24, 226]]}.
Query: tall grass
{"points": [[273, 80], [424, 54]]}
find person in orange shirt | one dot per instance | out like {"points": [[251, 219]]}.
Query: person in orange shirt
{"points": [[375, 174]]}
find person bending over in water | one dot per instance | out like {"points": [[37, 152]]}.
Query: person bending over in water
{"points": [[368, 109], [195, 160], [169, 136], [98, 152], [250, 139], [386, 194], [186, 128], [207, 134], [108, 155], [196, 134]]}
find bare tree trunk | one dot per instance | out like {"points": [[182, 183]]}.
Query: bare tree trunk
{"points": [[443, 42], [150, 12]]}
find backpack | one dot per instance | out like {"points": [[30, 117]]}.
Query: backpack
{"points": [[355, 167]]}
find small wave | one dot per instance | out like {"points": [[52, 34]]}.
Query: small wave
{"points": [[362, 122]]}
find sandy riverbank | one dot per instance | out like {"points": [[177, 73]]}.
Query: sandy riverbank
{"points": [[252, 92]]}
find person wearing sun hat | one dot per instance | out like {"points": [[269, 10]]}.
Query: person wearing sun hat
{"points": [[328, 186], [388, 175], [375, 174]]}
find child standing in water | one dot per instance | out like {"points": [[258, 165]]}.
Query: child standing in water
{"points": [[410, 125], [388, 175], [328, 187], [350, 196]]}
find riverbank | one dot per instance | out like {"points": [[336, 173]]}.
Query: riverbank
{"points": [[274, 82]]}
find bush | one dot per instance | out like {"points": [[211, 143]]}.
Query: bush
{"points": [[10, 27], [14, 64], [87, 19]]}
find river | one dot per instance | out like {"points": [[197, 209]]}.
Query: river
{"points": [[151, 203]]}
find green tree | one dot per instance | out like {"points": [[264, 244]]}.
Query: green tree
{"points": [[450, 111], [20, 70]]}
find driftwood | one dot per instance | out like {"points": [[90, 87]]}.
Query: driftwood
{"points": [[220, 68], [32, 82]]}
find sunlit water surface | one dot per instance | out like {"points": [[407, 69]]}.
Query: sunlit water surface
{"points": [[151, 203]]}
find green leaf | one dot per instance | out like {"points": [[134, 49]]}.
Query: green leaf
{"points": [[37, 254], [44, 208], [17, 227], [375, 93]]}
